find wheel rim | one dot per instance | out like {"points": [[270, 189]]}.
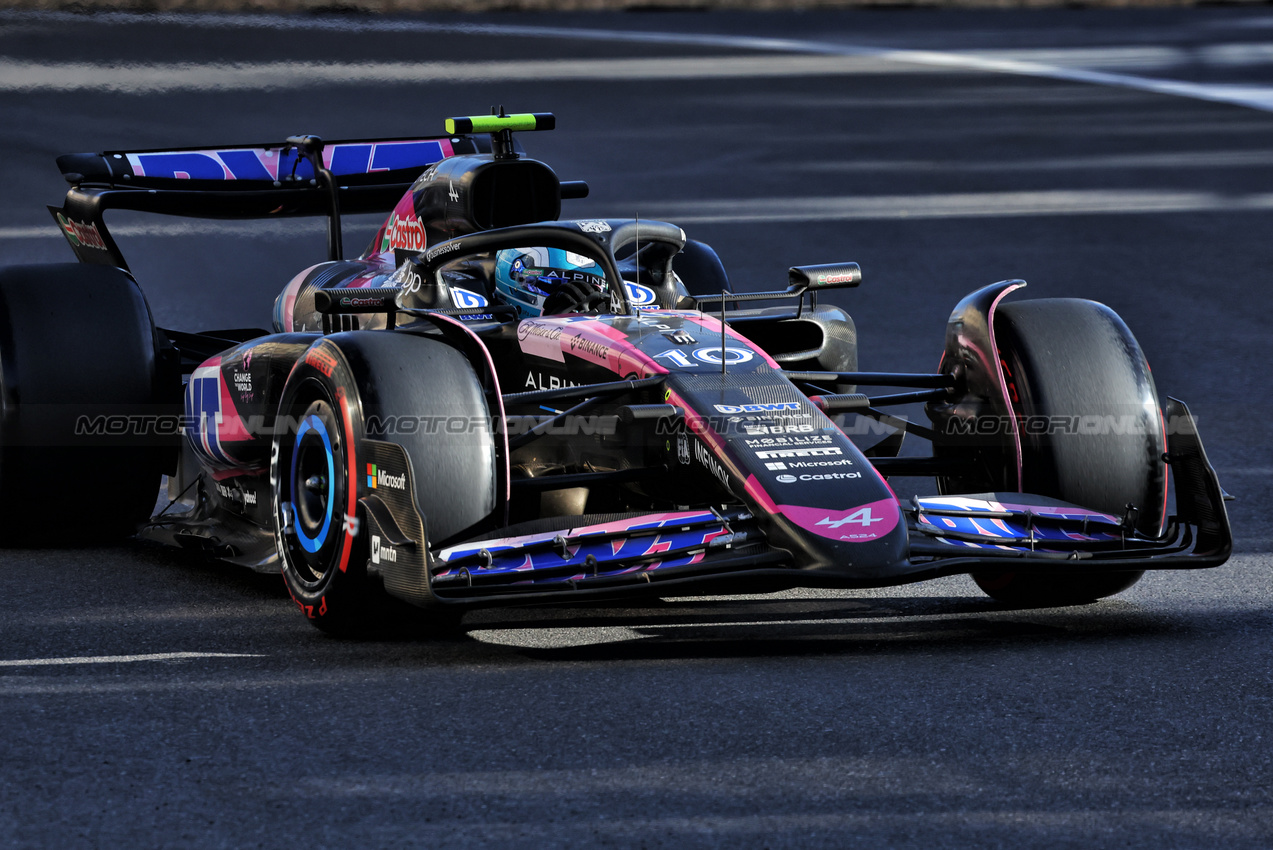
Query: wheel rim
{"points": [[312, 485]]}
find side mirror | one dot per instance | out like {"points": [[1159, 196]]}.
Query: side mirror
{"points": [[828, 276], [800, 280]]}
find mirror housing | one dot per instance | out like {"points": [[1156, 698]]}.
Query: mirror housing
{"points": [[827, 276]]}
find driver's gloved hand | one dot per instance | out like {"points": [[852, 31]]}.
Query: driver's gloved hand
{"points": [[574, 296]]}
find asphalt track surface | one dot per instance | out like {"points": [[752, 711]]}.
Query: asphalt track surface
{"points": [[153, 700]]}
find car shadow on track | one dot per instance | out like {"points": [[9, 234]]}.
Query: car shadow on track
{"points": [[792, 624], [807, 627]]}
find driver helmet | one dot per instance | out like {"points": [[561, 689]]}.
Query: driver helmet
{"points": [[526, 277]]}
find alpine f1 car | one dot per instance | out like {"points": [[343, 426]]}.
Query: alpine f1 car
{"points": [[493, 406]]}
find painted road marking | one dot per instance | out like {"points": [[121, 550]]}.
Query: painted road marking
{"points": [[292, 227], [792, 57], [1253, 96], [795, 209], [26, 77], [121, 659], [965, 205]]}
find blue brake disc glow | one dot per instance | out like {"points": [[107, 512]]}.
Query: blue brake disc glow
{"points": [[315, 543]]}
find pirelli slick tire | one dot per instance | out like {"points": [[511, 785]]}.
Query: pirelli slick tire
{"points": [[1090, 428], [80, 377], [328, 473], [1047, 591]]}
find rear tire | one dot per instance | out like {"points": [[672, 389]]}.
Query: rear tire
{"points": [[1090, 427], [78, 347]]}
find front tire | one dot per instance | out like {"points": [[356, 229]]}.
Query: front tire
{"points": [[323, 556], [1090, 428], [369, 415], [1049, 591]]}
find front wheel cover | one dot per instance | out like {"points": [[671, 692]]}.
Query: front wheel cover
{"points": [[313, 482], [314, 475]]}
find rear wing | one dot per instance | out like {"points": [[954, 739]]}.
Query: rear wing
{"points": [[242, 182]]}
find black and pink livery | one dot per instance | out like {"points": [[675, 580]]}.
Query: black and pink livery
{"points": [[400, 434]]}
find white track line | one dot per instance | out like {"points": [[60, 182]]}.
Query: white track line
{"points": [[24, 76], [802, 57], [121, 659], [291, 227], [957, 205], [1252, 96], [796, 209]]}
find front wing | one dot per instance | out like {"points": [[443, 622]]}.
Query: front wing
{"points": [[727, 550]]}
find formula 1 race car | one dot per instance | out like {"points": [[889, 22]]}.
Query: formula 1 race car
{"points": [[493, 406]]}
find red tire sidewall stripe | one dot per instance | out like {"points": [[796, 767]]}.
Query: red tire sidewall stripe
{"points": [[351, 511]]}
